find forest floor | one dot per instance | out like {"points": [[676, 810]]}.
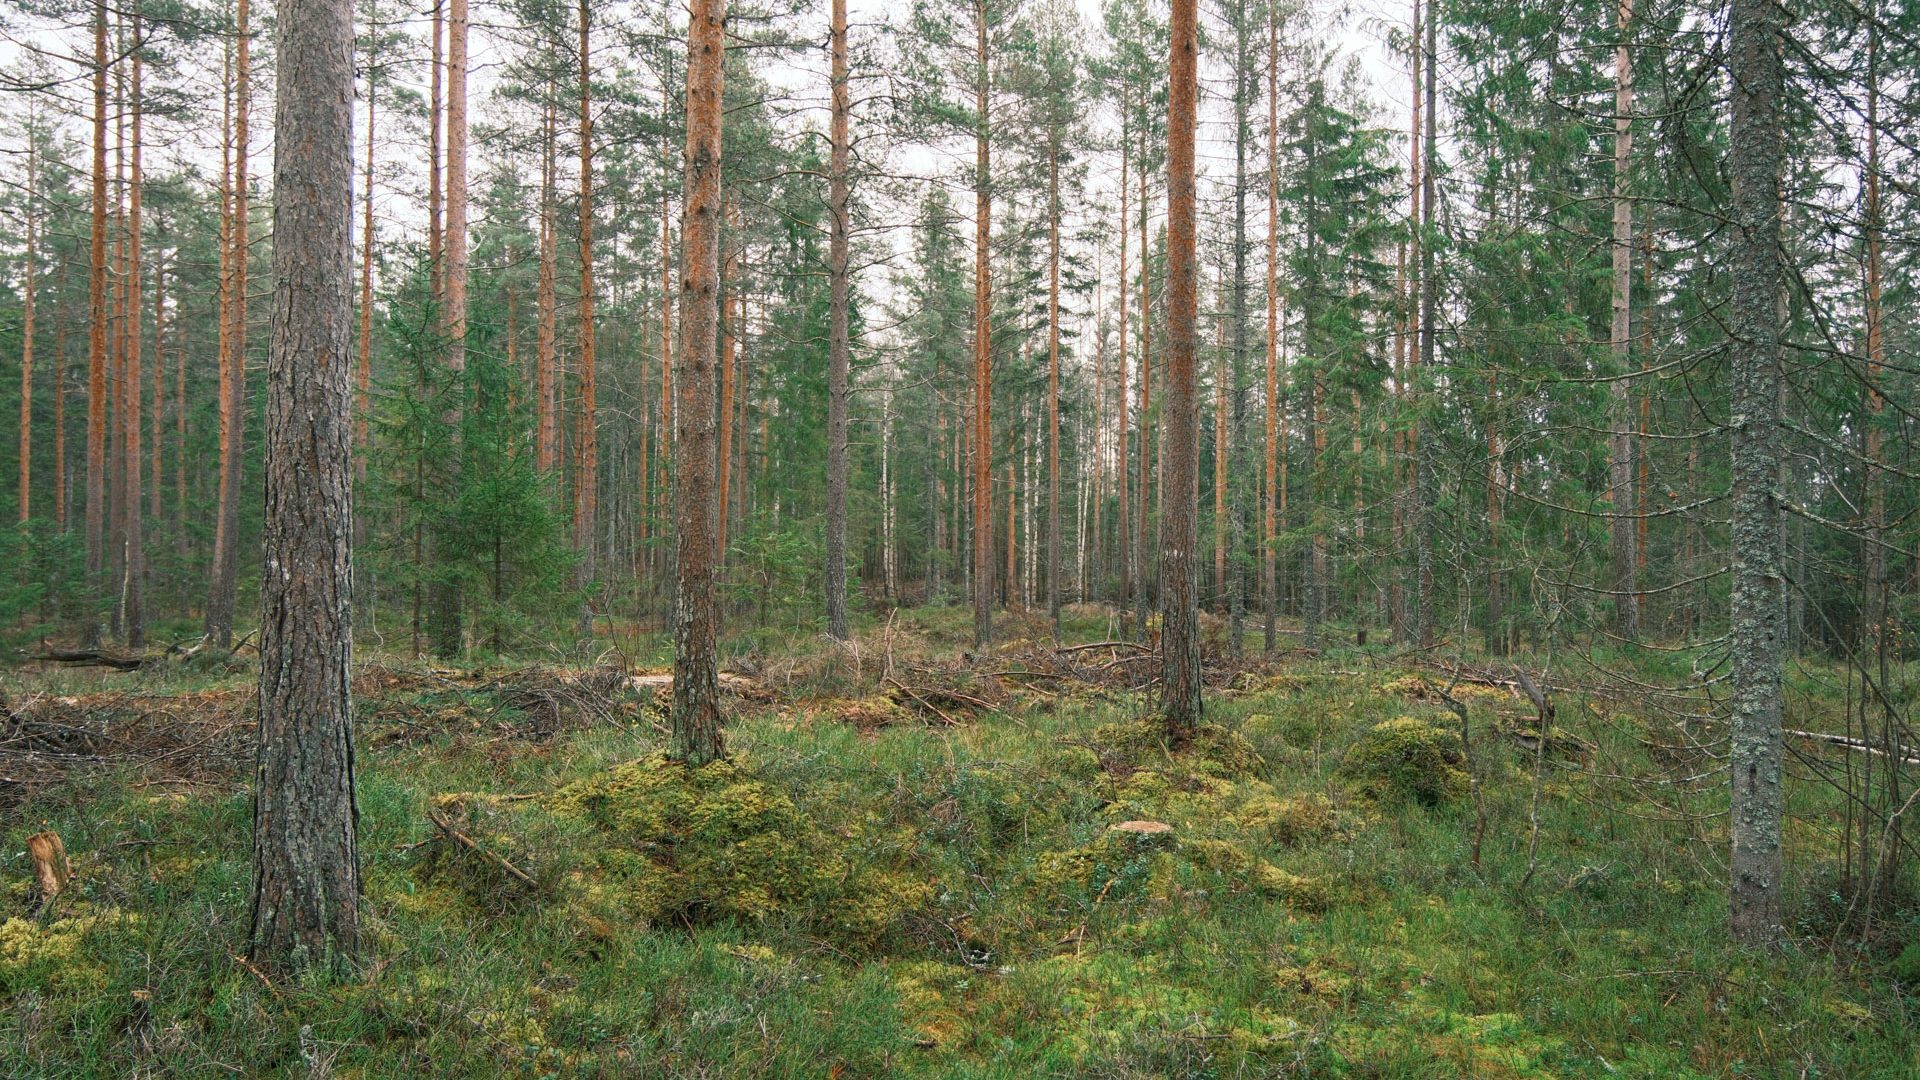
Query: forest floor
{"points": [[919, 866]]}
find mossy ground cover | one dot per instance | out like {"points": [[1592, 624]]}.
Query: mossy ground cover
{"points": [[848, 899]]}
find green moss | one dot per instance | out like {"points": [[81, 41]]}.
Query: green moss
{"points": [[693, 845], [1142, 744], [1407, 758], [1906, 967]]}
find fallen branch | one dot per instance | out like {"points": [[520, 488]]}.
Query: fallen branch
{"points": [[472, 845], [1103, 645], [1860, 745]]}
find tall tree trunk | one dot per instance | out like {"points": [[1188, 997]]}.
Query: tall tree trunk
{"points": [[1269, 586], [587, 516], [1423, 483], [837, 334], [134, 619], [117, 350], [1626, 615], [1236, 442], [1179, 610], [446, 614], [729, 326], [1142, 485], [436, 153], [1757, 635], [1123, 478], [1401, 600], [363, 382], [545, 391], [97, 339], [982, 348], [1053, 382], [306, 860], [233, 384], [26, 332], [156, 427], [697, 734]]}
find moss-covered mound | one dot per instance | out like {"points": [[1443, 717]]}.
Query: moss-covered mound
{"points": [[1164, 867], [693, 845], [1407, 758]]}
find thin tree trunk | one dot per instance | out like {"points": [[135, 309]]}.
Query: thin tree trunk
{"points": [[587, 518], [982, 349], [1423, 484], [226, 539], [436, 154], [1053, 384], [1179, 611], [1626, 616], [1269, 586], [1757, 633], [306, 858], [97, 339], [697, 734], [838, 345], [134, 620], [363, 388], [1123, 478], [545, 391], [446, 606], [1142, 597], [26, 332]]}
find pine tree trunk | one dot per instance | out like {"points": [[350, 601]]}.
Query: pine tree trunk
{"points": [[363, 382], [1626, 618], [233, 384], [837, 344], [1757, 634], [1123, 478], [697, 734], [1053, 383], [306, 858], [982, 349], [545, 391], [133, 593], [1179, 610], [1423, 483], [97, 340], [587, 519], [1269, 585], [446, 606], [26, 333], [1141, 498]]}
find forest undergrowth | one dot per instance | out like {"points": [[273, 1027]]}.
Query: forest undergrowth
{"points": [[919, 863]]}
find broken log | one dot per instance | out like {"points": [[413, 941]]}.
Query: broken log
{"points": [[51, 870]]}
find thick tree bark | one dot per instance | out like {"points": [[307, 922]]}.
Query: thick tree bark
{"points": [[697, 734], [838, 346], [982, 347], [233, 382], [306, 859], [1626, 615], [1757, 636], [1180, 628]]}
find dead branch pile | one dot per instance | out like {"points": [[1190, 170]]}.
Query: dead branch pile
{"points": [[191, 737]]}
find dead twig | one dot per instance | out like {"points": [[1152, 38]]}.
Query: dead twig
{"points": [[472, 845]]}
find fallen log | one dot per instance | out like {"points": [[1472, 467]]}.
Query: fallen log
{"points": [[92, 658], [446, 827]]}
